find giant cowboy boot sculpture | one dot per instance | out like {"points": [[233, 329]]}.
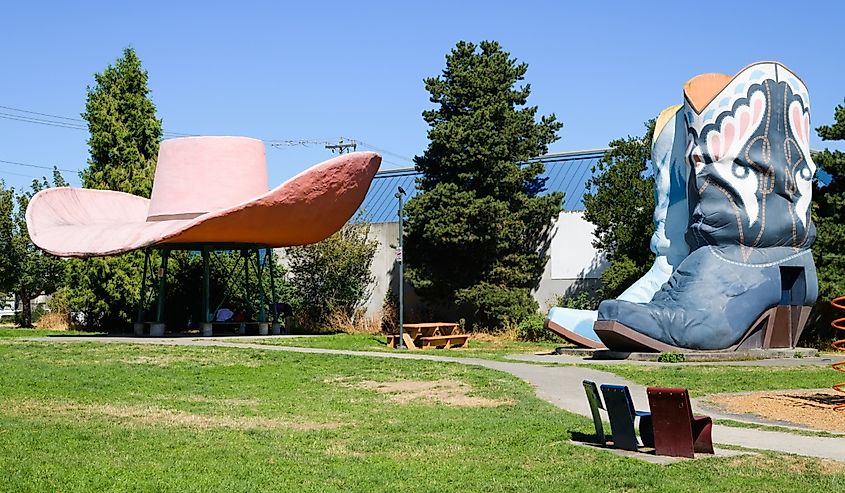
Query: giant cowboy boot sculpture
{"points": [[671, 217], [750, 280]]}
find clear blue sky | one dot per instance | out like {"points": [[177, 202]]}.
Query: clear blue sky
{"points": [[313, 70]]}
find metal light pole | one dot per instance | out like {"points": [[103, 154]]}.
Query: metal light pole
{"points": [[401, 345]]}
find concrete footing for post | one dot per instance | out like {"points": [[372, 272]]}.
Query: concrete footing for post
{"points": [[242, 329], [157, 329], [263, 328], [138, 328], [206, 329], [276, 329]]}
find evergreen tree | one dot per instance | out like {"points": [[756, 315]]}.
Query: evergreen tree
{"points": [[477, 231], [124, 129], [829, 217], [620, 203], [123, 147]]}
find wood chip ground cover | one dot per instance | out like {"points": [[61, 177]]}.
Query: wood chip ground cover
{"points": [[811, 408]]}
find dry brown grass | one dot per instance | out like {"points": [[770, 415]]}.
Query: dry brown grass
{"points": [[497, 336], [154, 416], [763, 464], [358, 323], [449, 392], [53, 321]]}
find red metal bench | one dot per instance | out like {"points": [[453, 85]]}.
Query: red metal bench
{"points": [[677, 432]]}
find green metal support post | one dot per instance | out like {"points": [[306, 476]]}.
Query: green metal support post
{"points": [[245, 254], [262, 300], [162, 285], [206, 287], [273, 300], [140, 317]]}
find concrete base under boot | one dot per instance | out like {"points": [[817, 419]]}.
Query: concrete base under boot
{"points": [[206, 329], [690, 355], [263, 328], [275, 329], [138, 329]]}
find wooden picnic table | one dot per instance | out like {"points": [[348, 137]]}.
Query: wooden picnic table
{"points": [[430, 334]]}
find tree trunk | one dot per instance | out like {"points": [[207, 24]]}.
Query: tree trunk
{"points": [[26, 312]]}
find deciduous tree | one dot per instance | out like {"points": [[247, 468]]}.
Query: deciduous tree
{"points": [[620, 203], [27, 272], [332, 276]]}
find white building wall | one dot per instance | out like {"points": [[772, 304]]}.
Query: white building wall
{"points": [[573, 262]]}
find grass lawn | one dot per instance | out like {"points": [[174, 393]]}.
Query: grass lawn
{"points": [[487, 349], [115, 417], [711, 379], [11, 331]]}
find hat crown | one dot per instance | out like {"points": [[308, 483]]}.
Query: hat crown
{"points": [[197, 175]]}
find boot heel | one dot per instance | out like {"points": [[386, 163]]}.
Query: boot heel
{"points": [[759, 334], [793, 312], [781, 326]]}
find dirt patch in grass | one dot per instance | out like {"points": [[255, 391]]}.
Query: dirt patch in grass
{"points": [[449, 392], [214, 400], [812, 408], [782, 462], [154, 416]]}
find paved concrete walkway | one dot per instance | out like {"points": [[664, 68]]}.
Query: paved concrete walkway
{"points": [[567, 359], [560, 385]]}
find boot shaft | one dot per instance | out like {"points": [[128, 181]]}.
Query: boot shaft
{"points": [[749, 155]]}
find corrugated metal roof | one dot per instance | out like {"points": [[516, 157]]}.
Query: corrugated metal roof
{"points": [[566, 172]]}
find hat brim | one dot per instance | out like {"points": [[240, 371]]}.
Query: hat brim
{"points": [[78, 222]]}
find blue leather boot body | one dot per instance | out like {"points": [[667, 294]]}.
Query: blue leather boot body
{"points": [[750, 230]]}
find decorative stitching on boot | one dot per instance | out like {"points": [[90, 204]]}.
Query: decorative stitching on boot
{"points": [[767, 264]]}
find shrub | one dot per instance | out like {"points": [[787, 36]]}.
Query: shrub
{"points": [[332, 276], [583, 300], [390, 312], [533, 329], [670, 357], [53, 321], [496, 307]]}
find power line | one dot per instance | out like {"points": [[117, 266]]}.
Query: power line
{"points": [[278, 144], [342, 147], [42, 166], [42, 114], [81, 125], [383, 151], [29, 119], [4, 172]]}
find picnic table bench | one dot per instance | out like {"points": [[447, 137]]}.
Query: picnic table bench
{"points": [[431, 334]]}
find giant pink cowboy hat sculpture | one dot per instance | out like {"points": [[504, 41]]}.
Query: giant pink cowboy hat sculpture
{"points": [[206, 190], [208, 193]]}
